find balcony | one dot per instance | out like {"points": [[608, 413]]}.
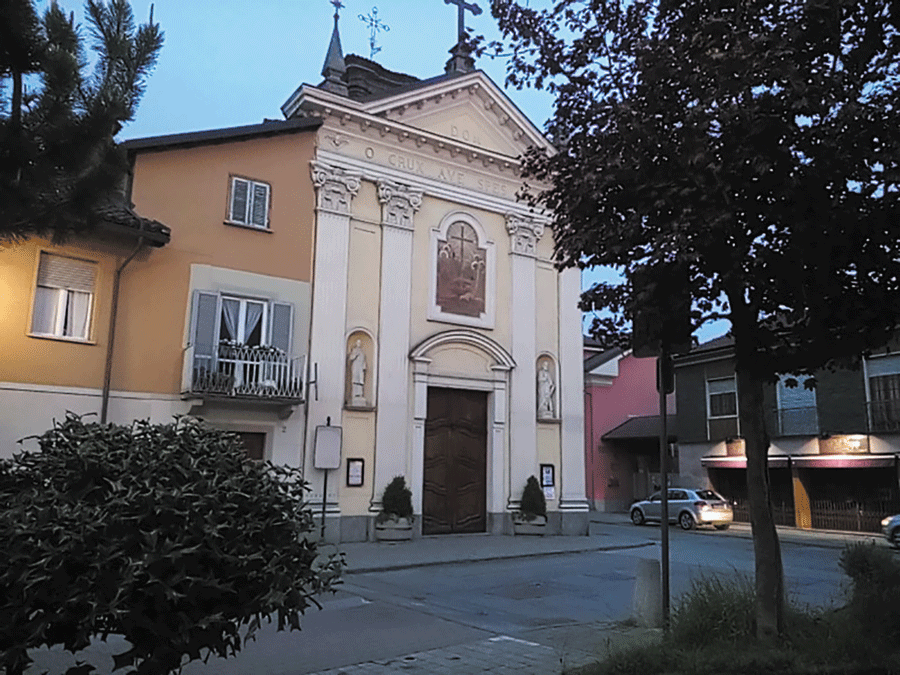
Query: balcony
{"points": [[247, 373]]}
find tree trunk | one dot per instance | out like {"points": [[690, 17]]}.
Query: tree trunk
{"points": [[15, 113], [766, 548]]}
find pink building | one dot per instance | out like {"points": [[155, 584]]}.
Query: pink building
{"points": [[621, 414]]}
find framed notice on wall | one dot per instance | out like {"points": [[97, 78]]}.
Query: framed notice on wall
{"points": [[355, 472], [548, 481]]}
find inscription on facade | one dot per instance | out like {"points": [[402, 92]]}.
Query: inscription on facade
{"points": [[464, 134], [445, 174]]}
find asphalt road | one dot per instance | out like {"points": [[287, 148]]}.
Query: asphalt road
{"points": [[563, 602]]}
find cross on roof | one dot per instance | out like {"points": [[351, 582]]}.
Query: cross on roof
{"points": [[462, 6], [338, 6], [375, 24]]}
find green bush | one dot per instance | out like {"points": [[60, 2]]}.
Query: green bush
{"points": [[874, 573], [711, 630], [166, 534], [714, 609], [533, 503], [397, 499]]}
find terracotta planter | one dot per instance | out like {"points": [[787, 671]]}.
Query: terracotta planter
{"points": [[394, 529], [535, 527]]}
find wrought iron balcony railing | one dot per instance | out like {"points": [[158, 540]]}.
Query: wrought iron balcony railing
{"points": [[884, 416], [797, 421], [241, 371]]}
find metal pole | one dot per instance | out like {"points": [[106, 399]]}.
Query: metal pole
{"points": [[325, 488], [662, 368], [324, 500]]}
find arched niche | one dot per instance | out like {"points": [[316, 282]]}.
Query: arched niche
{"points": [[359, 388]]}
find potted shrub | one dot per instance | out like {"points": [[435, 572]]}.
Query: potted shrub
{"points": [[394, 523], [531, 518]]}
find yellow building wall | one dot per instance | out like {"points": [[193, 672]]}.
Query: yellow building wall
{"points": [[549, 452], [54, 361], [358, 443], [188, 190]]}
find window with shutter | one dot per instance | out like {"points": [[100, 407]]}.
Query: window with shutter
{"points": [[884, 392], [797, 413], [721, 408], [249, 203], [63, 298]]}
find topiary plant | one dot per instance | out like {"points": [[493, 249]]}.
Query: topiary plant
{"points": [[533, 503], [169, 535], [396, 502]]}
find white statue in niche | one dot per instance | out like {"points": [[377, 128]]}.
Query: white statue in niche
{"points": [[357, 362], [546, 389]]}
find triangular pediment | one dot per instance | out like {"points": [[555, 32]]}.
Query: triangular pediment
{"points": [[467, 109]]}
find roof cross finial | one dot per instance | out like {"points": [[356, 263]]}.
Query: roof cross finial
{"points": [[462, 6], [338, 6], [375, 24]]}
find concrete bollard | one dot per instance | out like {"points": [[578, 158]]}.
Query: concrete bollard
{"points": [[646, 605]]}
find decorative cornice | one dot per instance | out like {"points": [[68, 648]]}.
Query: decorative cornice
{"points": [[335, 187], [348, 114], [398, 204], [525, 232]]}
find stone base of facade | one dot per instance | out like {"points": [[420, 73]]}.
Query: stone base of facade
{"points": [[349, 529]]}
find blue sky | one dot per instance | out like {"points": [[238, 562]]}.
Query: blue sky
{"points": [[234, 62]]}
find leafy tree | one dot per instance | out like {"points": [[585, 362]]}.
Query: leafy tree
{"points": [[59, 164], [169, 535], [750, 147]]}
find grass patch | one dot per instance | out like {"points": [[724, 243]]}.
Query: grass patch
{"points": [[711, 629]]}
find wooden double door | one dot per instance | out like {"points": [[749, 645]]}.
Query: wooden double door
{"points": [[454, 496]]}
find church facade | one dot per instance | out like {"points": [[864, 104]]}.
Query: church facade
{"points": [[443, 341], [363, 264]]}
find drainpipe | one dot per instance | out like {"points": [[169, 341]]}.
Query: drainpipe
{"points": [[104, 405], [589, 413]]}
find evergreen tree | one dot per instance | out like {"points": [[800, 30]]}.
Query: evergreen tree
{"points": [[59, 164], [752, 147]]}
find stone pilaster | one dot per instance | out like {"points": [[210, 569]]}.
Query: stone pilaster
{"points": [[399, 204], [335, 190], [573, 503], [524, 234]]}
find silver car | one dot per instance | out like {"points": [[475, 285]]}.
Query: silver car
{"points": [[891, 528], [688, 508]]}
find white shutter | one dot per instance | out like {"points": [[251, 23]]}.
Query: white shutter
{"points": [[58, 272], [259, 210], [240, 198]]}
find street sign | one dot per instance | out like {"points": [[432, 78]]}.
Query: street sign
{"points": [[662, 311]]}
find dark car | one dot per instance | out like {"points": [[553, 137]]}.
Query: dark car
{"points": [[687, 507], [891, 528]]}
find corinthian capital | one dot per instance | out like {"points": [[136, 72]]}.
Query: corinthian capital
{"points": [[398, 204], [335, 187], [525, 232]]}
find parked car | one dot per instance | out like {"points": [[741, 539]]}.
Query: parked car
{"points": [[891, 528], [688, 508]]}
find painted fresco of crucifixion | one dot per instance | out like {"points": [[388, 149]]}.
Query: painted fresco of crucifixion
{"points": [[462, 6]]}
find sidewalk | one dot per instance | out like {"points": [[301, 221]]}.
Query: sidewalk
{"points": [[362, 557]]}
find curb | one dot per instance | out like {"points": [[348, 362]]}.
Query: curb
{"points": [[480, 559]]}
